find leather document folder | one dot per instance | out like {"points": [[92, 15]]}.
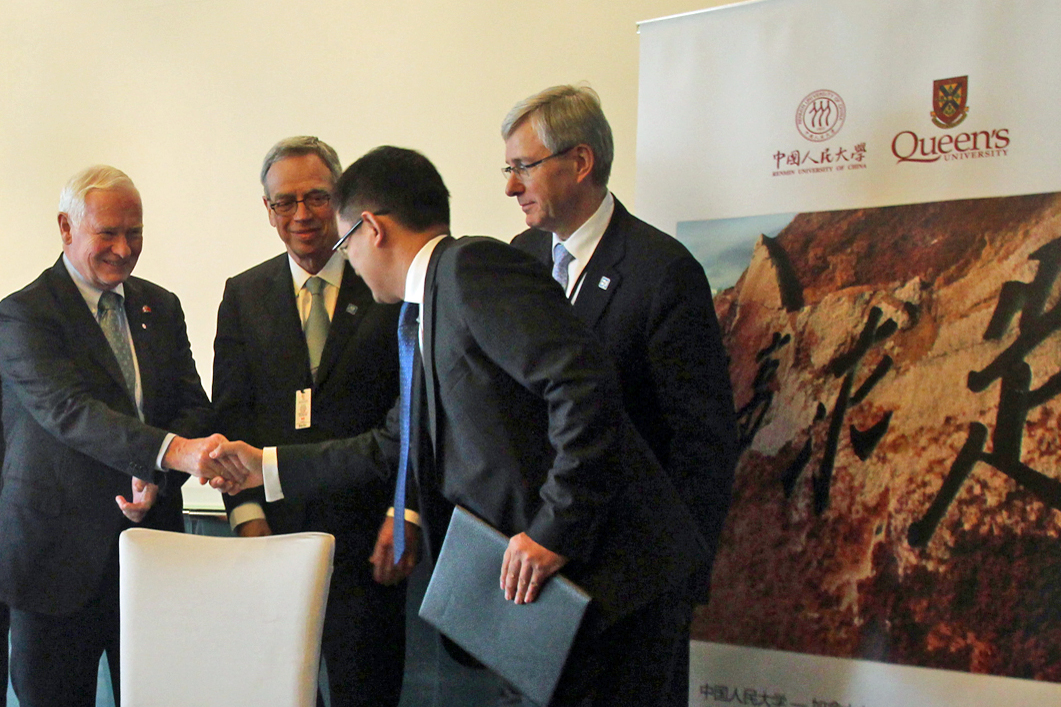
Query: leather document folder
{"points": [[526, 644]]}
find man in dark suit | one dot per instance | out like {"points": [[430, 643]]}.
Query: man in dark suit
{"points": [[275, 383], [640, 290], [519, 418], [100, 398], [5, 613]]}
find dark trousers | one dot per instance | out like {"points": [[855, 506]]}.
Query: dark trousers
{"points": [[364, 644], [641, 661], [55, 659], [4, 623]]}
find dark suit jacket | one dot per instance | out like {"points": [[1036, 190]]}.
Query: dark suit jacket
{"points": [[648, 300], [74, 440], [526, 429], [261, 359]]}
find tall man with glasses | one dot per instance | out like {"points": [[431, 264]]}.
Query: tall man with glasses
{"points": [[303, 354], [98, 385], [641, 291], [5, 615]]}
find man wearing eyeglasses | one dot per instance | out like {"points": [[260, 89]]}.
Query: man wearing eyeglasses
{"points": [[303, 354], [644, 295]]}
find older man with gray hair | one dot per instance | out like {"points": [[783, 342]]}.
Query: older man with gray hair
{"points": [[303, 354], [101, 400], [649, 302]]}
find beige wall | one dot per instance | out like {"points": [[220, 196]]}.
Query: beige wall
{"points": [[187, 95]]}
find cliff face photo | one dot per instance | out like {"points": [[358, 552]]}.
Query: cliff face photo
{"points": [[897, 373]]}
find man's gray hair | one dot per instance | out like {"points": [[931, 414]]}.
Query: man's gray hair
{"points": [[565, 116], [100, 176], [298, 146]]}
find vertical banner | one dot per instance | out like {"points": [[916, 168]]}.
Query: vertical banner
{"points": [[874, 190]]}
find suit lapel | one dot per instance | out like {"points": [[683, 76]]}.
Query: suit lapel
{"points": [[350, 308], [140, 316], [427, 314], [601, 278], [285, 325], [73, 309]]}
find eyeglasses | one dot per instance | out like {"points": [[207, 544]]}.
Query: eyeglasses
{"points": [[313, 200], [522, 171], [342, 241]]}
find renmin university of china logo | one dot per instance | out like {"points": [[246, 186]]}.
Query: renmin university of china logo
{"points": [[948, 101], [820, 115]]}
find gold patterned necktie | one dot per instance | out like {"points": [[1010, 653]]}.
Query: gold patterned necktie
{"points": [[317, 322]]}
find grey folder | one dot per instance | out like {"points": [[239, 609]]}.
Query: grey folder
{"points": [[527, 644]]}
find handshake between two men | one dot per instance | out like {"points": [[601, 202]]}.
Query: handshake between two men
{"points": [[231, 467], [203, 458]]}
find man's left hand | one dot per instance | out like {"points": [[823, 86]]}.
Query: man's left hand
{"points": [[144, 495], [526, 567]]}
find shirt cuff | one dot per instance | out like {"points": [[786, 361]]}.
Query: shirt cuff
{"points": [[245, 512], [165, 448], [271, 475], [410, 515]]}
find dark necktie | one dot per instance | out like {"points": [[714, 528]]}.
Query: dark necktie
{"points": [[316, 324], [109, 315], [408, 328], [561, 259]]}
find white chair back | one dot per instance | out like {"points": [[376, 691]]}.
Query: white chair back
{"points": [[222, 621]]}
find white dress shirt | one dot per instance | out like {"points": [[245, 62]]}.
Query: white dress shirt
{"points": [[583, 242]]}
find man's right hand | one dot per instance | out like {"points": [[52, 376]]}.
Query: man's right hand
{"points": [[242, 464], [193, 456]]}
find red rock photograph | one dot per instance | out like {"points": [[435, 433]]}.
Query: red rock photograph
{"points": [[897, 373]]}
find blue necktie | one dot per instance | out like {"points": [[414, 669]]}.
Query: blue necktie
{"points": [[561, 259], [408, 328]]}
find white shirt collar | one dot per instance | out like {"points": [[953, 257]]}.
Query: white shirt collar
{"points": [[584, 240], [332, 272], [416, 278], [88, 291]]}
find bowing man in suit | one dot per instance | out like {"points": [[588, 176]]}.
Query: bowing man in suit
{"points": [[292, 367], [640, 290], [519, 418], [100, 400]]}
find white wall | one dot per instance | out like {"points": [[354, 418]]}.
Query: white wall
{"points": [[186, 96]]}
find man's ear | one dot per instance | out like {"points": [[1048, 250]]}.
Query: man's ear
{"points": [[269, 210], [584, 161], [379, 231], [65, 226]]}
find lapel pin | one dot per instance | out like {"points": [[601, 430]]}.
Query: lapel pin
{"points": [[351, 309], [604, 282]]}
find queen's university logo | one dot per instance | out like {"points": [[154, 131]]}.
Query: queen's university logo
{"points": [[948, 101]]}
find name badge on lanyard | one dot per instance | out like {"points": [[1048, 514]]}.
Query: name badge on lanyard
{"points": [[303, 407]]}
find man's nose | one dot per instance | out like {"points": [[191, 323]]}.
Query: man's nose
{"points": [[121, 248], [513, 185]]}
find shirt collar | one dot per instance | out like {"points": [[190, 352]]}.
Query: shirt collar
{"points": [[88, 291], [332, 272], [416, 278], [584, 240]]}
